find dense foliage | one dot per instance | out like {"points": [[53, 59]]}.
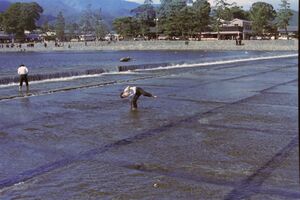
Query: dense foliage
{"points": [[262, 15], [20, 17], [284, 15], [176, 19]]}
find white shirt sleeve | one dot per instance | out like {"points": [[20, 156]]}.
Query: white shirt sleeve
{"points": [[127, 89], [130, 90]]}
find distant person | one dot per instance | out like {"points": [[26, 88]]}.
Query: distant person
{"points": [[136, 92], [23, 71], [238, 40]]}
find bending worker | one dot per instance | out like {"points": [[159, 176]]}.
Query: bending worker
{"points": [[136, 92]]}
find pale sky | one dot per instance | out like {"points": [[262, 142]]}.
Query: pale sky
{"points": [[245, 3]]}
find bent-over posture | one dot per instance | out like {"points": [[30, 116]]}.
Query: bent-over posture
{"points": [[23, 71], [136, 92]]}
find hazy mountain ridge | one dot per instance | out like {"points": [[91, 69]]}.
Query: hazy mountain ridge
{"points": [[72, 8], [4, 5]]}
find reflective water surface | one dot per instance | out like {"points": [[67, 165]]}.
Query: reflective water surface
{"points": [[214, 132]]}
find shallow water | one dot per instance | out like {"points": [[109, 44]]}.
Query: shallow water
{"points": [[76, 139], [47, 62]]}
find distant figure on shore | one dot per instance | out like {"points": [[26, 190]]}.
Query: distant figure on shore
{"points": [[136, 92], [238, 40], [23, 71]]}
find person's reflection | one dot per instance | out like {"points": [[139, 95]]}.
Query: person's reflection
{"points": [[23, 108], [135, 117], [24, 94]]}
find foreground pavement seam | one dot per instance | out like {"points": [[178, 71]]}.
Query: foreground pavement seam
{"points": [[248, 187]]}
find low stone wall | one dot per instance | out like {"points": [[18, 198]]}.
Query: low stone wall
{"points": [[264, 45]]}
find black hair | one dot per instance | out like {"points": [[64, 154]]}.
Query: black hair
{"points": [[121, 95]]}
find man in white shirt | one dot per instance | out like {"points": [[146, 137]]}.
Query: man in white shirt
{"points": [[23, 71], [136, 92]]}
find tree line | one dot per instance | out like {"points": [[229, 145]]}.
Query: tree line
{"points": [[176, 18], [172, 18]]}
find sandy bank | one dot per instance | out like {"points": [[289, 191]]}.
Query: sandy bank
{"points": [[263, 45]]}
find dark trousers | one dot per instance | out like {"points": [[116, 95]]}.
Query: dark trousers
{"points": [[23, 78], [139, 92]]}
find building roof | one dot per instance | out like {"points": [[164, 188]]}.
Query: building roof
{"points": [[236, 19]]}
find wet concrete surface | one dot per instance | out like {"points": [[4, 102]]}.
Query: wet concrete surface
{"points": [[224, 132]]}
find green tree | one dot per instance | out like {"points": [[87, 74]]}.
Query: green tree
{"points": [[239, 13], [91, 22], [284, 15], [45, 26], [126, 26], [233, 11], [1, 21], [164, 9], [202, 10], [262, 15], [20, 17], [72, 28], [86, 20], [101, 29], [60, 27], [221, 11], [145, 15], [185, 21], [169, 13]]}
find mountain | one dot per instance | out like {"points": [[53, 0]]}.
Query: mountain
{"points": [[4, 5], [72, 9]]}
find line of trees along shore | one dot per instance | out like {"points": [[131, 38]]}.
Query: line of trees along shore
{"points": [[173, 18]]}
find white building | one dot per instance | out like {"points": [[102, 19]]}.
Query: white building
{"points": [[230, 30], [246, 27]]}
